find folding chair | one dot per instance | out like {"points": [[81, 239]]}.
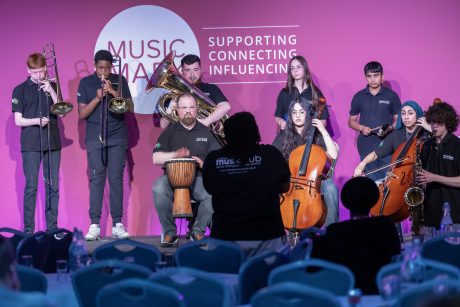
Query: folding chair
{"points": [[142, 254], [325, 275], [37, 246], [31, 280]]}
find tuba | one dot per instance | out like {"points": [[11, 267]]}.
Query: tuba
{"points": [[168, 77]]}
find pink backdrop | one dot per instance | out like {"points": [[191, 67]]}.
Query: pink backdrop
{"points": [[416, 41]]}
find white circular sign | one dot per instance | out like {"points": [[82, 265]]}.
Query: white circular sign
{"points": [[142, 36]]}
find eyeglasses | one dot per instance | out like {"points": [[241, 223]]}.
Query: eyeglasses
{"points": [[191, 108]]}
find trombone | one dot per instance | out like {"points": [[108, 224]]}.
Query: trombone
{"points": [[117, 105], [61, 107]]}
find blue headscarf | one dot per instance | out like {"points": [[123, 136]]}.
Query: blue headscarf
{"points": [[414, 106]]}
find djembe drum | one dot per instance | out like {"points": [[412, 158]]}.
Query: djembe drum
{"points": [[181, 173]]}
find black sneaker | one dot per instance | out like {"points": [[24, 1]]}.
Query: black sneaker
{"points": [[196, 236], [169, 241]]}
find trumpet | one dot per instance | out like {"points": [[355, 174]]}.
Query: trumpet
{"points": [[117, 105], [61, 107]]}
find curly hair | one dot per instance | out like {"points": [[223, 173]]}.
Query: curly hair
{"points": [[292, 139], [443, 113], [242, 135]]}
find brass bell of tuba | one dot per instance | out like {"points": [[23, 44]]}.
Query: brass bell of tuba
{"points": [[167, 76]]}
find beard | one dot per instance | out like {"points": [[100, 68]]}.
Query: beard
{"points": [[188, 120]]}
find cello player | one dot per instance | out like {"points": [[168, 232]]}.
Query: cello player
{"points": [[410, 116], [298, 124]]}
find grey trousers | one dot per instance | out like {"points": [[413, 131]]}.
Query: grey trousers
{"points": [[163, 198]]}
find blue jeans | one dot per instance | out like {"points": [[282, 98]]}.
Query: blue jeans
{"points": [[331, 198], [102, 164], [163, 197], [31, 161]]}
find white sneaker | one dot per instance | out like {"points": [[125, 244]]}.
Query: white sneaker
{"points": [[119, 232], [94, 233]]}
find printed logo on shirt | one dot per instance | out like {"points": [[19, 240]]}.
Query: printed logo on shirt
{"points": [[384, 101], [201, 139], [448, 157], [232, 166], [157, 145], [15, 101], [78, 94]]}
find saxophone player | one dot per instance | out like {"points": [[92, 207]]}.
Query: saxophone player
{"points": [[191, 71], [440, 158]]}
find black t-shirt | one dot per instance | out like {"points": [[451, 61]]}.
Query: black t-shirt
{"points": [[117, 131], [199, 140], [285, 98], [26, 100], [389, 145], [212, 91], [374, 111], [441, 159], [245, 197]]}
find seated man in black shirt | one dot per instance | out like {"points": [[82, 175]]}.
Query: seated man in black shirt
{"points": [[364, 244], [245, 179], [186, 139]]}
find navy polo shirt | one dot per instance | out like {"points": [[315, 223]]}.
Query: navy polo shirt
{"points": [[374, 111], [199, 140], [26, 99], [285, 98], [117, 131]]}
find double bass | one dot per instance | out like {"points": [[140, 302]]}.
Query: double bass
{"points": [[303, 205]]}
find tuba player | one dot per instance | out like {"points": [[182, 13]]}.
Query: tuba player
{"points": [[191, 71]]}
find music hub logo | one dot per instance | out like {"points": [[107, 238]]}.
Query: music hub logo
{"points": [[142, 36]]}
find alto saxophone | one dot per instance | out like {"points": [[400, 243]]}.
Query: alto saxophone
{"points": [[414, 195]]}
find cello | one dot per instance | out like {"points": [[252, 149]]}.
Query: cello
{"points": [[302, 206], [399, 197]]}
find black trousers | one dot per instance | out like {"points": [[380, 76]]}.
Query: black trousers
{"points": [[108, 162], [31, 161]]}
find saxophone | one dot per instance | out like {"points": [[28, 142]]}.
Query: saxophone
{"points": [[414, 195]]}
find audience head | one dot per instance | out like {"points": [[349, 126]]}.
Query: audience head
{"points": [[359, 195], [242, 135], [8, 276]]}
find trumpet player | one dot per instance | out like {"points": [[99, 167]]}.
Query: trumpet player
{"points": [[40, 140], [106, 141], [191, 71]]}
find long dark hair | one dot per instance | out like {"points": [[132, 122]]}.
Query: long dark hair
{"points": [[307, 78], [292, 139], [242, 135]]}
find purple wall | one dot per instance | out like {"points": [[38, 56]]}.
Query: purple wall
{"points": [[416, 41]]}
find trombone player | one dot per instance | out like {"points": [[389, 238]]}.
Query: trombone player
{"points": [[106, 139], [40, 140]]}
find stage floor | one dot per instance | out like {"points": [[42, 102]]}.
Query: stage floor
{"points": [[151, 240]]}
